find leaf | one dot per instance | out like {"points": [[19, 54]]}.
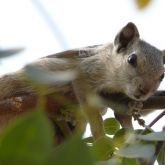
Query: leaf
{"points": [[142, 131], [113, 161], [120, 137], [103, 148], [49, 77], [142, 3], [28, 140], [155, 136], [10, 52], [88, 139], [72, 152], [137, 151], [111, 125], [128, 161]]}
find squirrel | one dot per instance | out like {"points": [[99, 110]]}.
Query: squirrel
{"points": [[128, 65]]}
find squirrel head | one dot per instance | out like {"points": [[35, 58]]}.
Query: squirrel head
{"points": [[138, 65]]}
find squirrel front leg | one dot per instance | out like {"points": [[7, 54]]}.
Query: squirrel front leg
{"points": [[90, 110], [92, 115]]}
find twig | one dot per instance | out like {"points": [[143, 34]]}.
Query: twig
{"points": [[156, 119], [159, 146]]}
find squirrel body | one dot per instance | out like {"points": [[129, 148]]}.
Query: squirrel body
{"points": [[129, 65]]}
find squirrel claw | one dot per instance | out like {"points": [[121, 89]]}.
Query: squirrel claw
{"points": [[135, 106]]}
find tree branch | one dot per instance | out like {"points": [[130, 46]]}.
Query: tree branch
{"points": [[119, 102]]}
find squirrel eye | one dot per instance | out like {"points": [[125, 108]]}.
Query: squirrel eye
{"points": [[132, 59], [161, 77]]}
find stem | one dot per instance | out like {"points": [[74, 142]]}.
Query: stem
{"points": [[157, 119], [153, 122], [159, 146]]}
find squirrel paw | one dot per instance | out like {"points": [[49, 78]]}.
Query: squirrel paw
{"points": [[135, 106]]}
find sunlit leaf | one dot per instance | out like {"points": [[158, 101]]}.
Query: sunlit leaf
{"points": [[155, 136], [10, 52], [120, 137], [49, 77], [26, 141], [103, 148], [142, 3], [137, 151], [111, 125], [72, 152]]}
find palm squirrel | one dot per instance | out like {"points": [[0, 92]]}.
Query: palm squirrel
{"points": [[129, 65]]}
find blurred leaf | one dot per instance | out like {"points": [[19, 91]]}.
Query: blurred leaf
{"points": [[142, 3], [49, 77], [137, 151], [28, 140], [111, 125], [113, 161], [10, 52], [120, 137], [88, 139], [142, 131], [129, 161], [72, 152], [155, 136], [161, 156], [103, 148]]}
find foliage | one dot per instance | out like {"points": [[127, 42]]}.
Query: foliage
{"points": [[29, 140], [24, 141]]}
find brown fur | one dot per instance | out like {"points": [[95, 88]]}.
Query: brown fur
{"points": [[99, 68]]}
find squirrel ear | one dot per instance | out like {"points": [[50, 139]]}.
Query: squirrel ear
{"points": [[126, 35]]}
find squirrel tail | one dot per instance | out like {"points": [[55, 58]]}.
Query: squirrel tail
{"points": [[15, 85]]}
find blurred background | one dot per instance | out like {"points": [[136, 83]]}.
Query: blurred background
{"points": [[44, 27]]}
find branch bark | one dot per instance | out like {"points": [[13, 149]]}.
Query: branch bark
{"points": [[119, 102]]}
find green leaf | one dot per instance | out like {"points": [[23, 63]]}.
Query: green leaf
{"points": [[137, 151], [142, 131], [111, 125], [28, 140], [155, 136], [72, 152], [88, 139], [120, 138], [128, 161], [10, 52], [103, 148]]}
